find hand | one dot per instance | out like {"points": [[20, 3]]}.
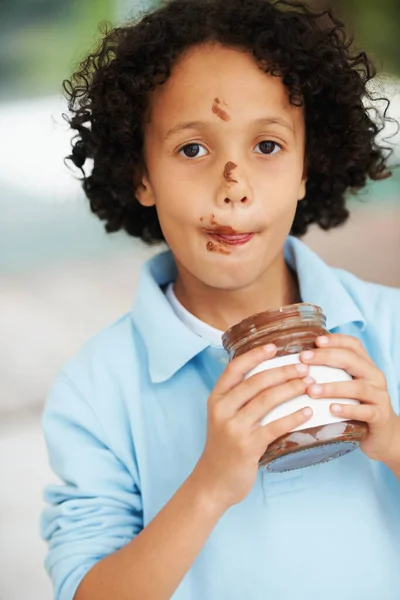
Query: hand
{"points": [[235, 439], [368, 386]]}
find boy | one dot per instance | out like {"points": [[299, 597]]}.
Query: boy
{"points": [[221, 127]]}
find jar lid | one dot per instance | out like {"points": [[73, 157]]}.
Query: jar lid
{"points": [[257, 324]]}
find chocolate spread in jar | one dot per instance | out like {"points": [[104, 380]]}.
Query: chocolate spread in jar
{"points": [[293, 329]]}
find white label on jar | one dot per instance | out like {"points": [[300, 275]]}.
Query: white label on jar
{"points": [[320, 406]]}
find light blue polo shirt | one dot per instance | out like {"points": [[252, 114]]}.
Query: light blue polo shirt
{"points": [[125, 424]]}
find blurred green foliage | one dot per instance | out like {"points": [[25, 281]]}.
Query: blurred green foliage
{"points": [[42, 40], [375, 25]]}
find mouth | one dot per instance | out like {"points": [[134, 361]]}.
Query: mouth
{"points": [[231, 239]]}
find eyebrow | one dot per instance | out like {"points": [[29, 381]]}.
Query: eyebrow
{"points": [[201, 125], [184, 126], [274, 121]]}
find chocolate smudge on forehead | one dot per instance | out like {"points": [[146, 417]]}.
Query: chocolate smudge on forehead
{"points": [[217, 110], [228, 172]]}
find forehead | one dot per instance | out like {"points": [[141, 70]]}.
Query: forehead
{"points": [[232, 76]]}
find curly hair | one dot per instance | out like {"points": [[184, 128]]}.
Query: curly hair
{"points": [[309, 50]]}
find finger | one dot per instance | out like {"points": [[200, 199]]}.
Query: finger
{"points": [[261, 405], [240, 366], [266, 434], [341, 340], [356, 389], [344, 358], [254, 385], [357, 412]]}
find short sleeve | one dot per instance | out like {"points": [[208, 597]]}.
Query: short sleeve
{"points": [[97, 508]]}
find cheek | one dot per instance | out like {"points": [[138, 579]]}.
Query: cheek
{"points": [[278, 186], [184, 202], [290, 168], [175, 211], [280, 202], [281, 216], [283, 172]]}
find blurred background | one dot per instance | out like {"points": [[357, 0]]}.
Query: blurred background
{"points": [[62, 278]]}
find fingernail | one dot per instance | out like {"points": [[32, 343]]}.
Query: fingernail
{"points": [[336, 408], [302, 368], [269, 348], [323, 340], [316, 389], [309, 380], [307, 412], [307, 354]]}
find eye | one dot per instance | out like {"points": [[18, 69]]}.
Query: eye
{"points": [[193, 150], [268, 147]]}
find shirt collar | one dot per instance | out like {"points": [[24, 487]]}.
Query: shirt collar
{"points": [[320, 285], [171, 344], [204, 330]]}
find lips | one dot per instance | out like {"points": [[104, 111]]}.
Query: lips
{"points": [[234, 239]]}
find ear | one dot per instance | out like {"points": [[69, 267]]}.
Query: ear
{"points": [[303, 183], [144, 191]]}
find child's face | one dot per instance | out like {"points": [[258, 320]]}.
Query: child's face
{"points": [[223, 148]]}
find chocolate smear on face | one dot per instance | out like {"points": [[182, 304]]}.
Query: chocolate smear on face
{"points": [[228, 172], [210, 246], [217, 110], [220, 229], [218, 246], [215, 247], [222, 250]]}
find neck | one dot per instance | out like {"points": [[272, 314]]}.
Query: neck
{"points": [[223, 308]]}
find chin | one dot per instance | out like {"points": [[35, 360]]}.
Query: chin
{"points": [[227, 279]]}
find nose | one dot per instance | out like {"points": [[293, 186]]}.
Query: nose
{"points": [[234, 187]]}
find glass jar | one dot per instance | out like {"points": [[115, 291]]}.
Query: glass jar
{"points": [[324, 437]]}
